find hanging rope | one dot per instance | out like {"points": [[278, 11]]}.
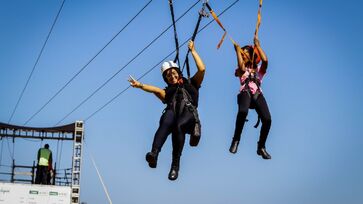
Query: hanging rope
{"points": [[202, 14], [176, 60]]}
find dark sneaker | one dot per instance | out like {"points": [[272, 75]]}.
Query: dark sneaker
{"points": [[263, 153], [173, 174], [234, 147], [152, 159]]}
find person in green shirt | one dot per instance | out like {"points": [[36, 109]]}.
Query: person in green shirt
{"points": [[44, 165]]}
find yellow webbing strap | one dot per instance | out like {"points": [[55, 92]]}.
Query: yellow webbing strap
{"points": [[257, 28], [258, 18], [225, 31], [219, 23]]}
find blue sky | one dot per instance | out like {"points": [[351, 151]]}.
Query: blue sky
{"points": [[312, 88]]}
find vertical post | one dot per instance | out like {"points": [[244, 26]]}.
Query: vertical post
{"points": [[76, 163], [54, 172], [33, 172], [13, 171]]}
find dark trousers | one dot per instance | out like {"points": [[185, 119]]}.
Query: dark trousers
{"points": [[245, 101], [178, 126], [42, 175]]}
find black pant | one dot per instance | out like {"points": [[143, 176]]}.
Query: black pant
{"points": [[42, 175], [245, 101], [178, 126]]}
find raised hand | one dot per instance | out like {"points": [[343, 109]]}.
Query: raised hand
{"points": [[134, 83], [191, 45]]}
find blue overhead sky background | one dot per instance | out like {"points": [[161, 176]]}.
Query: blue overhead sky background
{"points": [[313, 88]]}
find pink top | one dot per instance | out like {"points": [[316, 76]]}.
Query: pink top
{"points": [[252, 85]]}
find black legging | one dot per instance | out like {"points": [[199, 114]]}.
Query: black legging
{"points": [[260, 105], [178, 126]]}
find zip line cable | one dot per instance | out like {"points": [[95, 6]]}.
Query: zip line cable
{"points": [[84, 67], [128, 63], [147, 72], [36, 63]]}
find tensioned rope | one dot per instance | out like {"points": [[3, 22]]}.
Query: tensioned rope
{"points": [[85, 66], [128, 63], [147, 72]]}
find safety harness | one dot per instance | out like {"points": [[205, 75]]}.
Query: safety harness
{"points": [[253, 78], [186, 104]]}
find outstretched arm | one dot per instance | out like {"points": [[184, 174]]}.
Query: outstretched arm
{"points": [[199, 75], [262, 55], [160, 93]]}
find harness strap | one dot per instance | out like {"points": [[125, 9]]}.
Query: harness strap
{"points": [[258, 122], [254, 97], [188, 102], [175, 32]]}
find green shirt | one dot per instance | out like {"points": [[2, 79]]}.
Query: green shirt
{"points": [[44, 157]]}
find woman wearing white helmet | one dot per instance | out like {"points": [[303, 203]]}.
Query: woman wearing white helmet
{"points": [[179, 117]]}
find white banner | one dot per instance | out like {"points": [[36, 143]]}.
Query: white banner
{"points": [[11, 193]]}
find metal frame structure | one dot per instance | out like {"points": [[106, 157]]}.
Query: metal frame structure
{"points": [[71, 132]]}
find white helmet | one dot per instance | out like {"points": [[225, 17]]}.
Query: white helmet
{"points": [[167, 65]]}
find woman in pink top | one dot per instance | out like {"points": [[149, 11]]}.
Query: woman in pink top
{"points": [[250, 96]]}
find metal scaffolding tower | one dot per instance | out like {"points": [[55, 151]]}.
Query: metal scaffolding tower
{"points": [[71, 132]]}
